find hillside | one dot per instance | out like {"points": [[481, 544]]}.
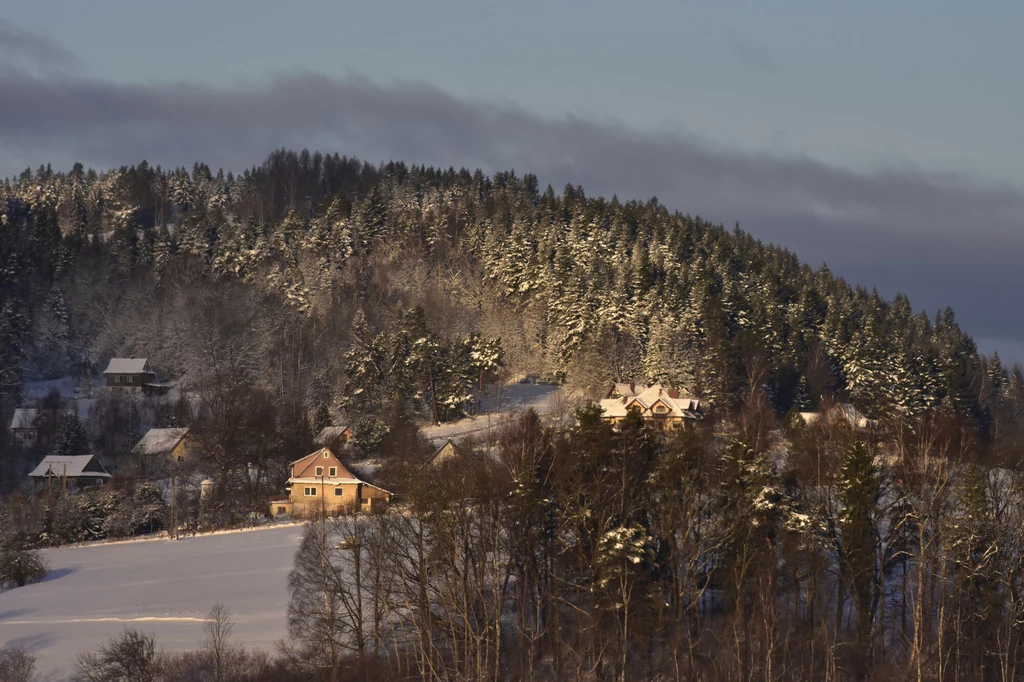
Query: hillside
{"points": [[317, 288]]}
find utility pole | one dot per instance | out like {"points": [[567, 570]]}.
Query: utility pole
{"points": [[174, 512], [64, 483], [49, 481]]}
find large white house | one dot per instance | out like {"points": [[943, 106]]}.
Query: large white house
{"points": [[667, 408]]}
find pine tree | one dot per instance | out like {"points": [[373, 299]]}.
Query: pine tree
{"points": [[859, 491]]}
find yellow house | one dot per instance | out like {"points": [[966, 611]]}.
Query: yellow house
{"points": [[175, 444], [320, 481], [445, 453]]}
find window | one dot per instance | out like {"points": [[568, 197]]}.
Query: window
{"points": [[661, 409], [281, 510], [338, 492], [180, 458], [319, 471], [332, 472], [326, 455], [310, 491]]}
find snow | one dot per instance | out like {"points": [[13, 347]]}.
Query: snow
{"points": [[67, 386], [159, 586], [544, 399]]}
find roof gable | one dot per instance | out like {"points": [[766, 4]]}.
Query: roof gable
{"points": [[448, 451], [72, 467], [306, 467]]}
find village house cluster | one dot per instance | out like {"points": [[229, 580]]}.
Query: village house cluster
{"points": [[320, 482]]}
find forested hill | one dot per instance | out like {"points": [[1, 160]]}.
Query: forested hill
{"points": [[285, 272]]}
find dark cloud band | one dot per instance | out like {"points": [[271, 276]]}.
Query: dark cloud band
{"points": [[942, 239]]}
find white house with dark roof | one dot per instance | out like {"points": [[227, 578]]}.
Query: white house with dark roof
{"points": [[78, 470], [668, 408], [129, 374], [32, 426]]}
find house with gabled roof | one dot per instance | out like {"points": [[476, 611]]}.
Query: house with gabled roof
{"points": [[446, 453], [333, 437], [319, 481], [129, 374], [666, 408], [32, 426], [174, 444], [77, 471]]}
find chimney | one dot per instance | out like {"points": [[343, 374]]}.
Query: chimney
{"points": [[632, 387]]}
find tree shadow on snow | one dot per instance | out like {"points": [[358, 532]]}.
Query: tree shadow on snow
{"points": [[58, 573], [13, 613], [32, 643]]}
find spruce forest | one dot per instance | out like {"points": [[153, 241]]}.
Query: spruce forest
{"points": [[755, 545]]}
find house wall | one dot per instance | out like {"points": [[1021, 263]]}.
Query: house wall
{"points": [[127, 382], [182, 450], [353, 495], [663, 423], [26, 437], [303, 505]]}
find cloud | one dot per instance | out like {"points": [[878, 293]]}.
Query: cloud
{"points": [[24, 48], [754, 56], [942, 239]]}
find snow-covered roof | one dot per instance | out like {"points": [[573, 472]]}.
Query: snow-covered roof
{"points": [[25, 417], [159, 441], [648, 399], [127, 366], [326, 480], [77, 465], [329, 434], [624, 390], [846, 411]]}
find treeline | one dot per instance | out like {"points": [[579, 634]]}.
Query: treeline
{"points": [[583, 553]]}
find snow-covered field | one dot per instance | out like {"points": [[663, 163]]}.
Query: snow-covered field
{"points": [[545, 399], [160, 586]]}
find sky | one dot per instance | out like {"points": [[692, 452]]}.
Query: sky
{"points": [[880, 138]]}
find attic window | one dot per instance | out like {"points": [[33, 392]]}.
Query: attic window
{"points": [[332, 472], [661, 409], [325, 455], [319, 471]]}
